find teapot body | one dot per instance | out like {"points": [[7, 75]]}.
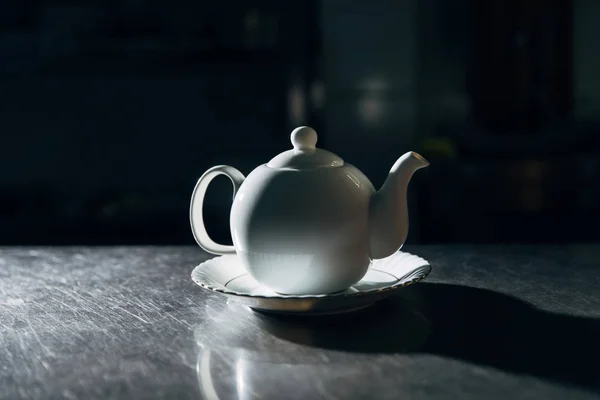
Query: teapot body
{"points": [[306, 222], [303, 231]]}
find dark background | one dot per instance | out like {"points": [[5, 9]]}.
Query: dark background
{"points": [[110, 110]]}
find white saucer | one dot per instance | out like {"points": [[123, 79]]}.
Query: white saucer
{"points": [[227, 275]]}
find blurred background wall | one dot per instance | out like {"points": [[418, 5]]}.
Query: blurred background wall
{"points": [[111, 110]]}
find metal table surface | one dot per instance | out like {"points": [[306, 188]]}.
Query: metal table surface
{"points": [[493, 322]]}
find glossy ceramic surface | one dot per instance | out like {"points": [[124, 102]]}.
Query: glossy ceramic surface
{"points": [[307, 222], [227, 275]]}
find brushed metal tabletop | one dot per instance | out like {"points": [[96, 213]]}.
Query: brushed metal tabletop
{"points": [[128, 323]]}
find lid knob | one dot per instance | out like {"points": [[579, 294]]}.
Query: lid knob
{"points": [[304, 138]]}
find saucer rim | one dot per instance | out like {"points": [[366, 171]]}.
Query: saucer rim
{"points": [[424, 271]]}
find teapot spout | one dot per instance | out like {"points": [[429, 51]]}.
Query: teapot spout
{"points": [[388, 216]]}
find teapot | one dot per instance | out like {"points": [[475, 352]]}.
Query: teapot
{"points": [[306, 222]]}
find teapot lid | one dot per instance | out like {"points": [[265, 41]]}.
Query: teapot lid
{"points": [[305, 155]]}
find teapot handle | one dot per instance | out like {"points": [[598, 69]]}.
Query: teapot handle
{"points": [[197, 203]]}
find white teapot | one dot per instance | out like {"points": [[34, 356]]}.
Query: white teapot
{"points": [[307, 222]]}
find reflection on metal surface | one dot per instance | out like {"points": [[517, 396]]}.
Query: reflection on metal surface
{"points": [[237, 370], [246, 355], [207, 386], [242, 388]]}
